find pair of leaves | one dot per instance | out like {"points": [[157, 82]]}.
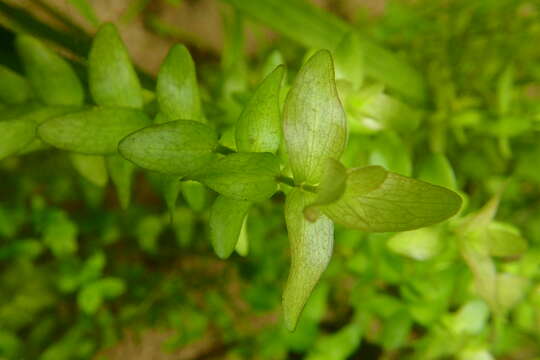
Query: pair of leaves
{"points": [[178, 98], [187, 148], [258, 130]]}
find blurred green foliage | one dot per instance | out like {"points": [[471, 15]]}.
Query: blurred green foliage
{"points": [[77, 272]]}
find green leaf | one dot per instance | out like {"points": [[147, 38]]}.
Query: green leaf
{"points": [[505, 90], [394, 203], [96, 131], [510, 290], [377, 110], [242, 246], [177, 90], [60, 234], [112, 78], [470, 319], [389, 151], [332, 187], [91, 167], [16, 135], [504, 240], [315, 125], [90, 298], [195, 194], [176, 148], [311, 248], [226, 218], [349, 59], [338, 345], [242, 176], [111, 287], [259, 127], [14, 89], [420, 244], [436, 169], [121, 172], [170, 186], [85, 8], [52, 78]]}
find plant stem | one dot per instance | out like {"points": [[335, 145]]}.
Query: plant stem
{"points": [[290, 182]]}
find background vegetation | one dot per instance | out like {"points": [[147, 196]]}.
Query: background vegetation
{"points": [[447, 91]]}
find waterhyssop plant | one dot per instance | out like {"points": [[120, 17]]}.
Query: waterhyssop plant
{"points": [[292, 146]]}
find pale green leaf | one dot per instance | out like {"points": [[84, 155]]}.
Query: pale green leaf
{"points": [[51, 77], [311, 249], [349, 58], [121, 172], [510, 290], [421, 244], [176, 148], [436, 169], [398, 203], [112, 78], [259, 127], [315, 126], [377, 110], [242, 176], [177, 90], [332, 187], [242, 246], [91, 167], [96, 131], [470, 319], [14, 89], [504, 240], [226, 218], [389, 151]]}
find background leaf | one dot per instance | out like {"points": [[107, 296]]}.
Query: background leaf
{"points": [[177, 90], [112, 79], [52, 79], [95, 131], [14, 89]]}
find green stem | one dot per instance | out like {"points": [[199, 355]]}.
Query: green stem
{"points": [[290, 182]]}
